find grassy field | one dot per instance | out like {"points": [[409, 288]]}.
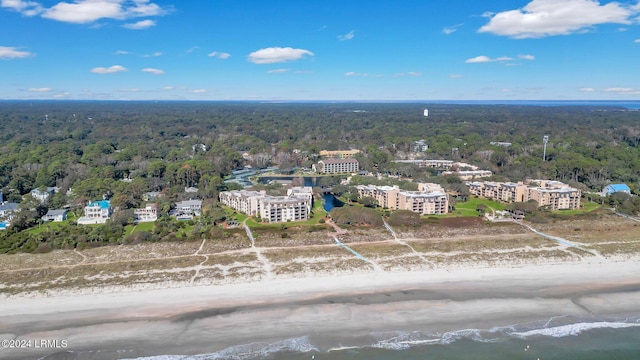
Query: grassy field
{"points": [[469, 207]]}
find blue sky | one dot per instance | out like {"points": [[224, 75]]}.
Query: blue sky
{"points": [[320, 50]]}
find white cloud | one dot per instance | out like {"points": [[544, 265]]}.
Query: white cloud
{"points": [[587, 89], [636, 41], [142, 24], [26, 8], [304, 71], [110, 70], [87, 11], [155, 54], [526, 57], [348, 36], [478, 59], [62, 95], [353, 73], [168, 88], [153, 71], [7, 53], [451, 29], [277, 55], [455, 76], [131, 90], [277, 71], [541, 18], [198, 91], [121, 52], [81, 12], [623, 91], [220, 55], [41, 89], [192, 49], [502, 59], [414, 73]]}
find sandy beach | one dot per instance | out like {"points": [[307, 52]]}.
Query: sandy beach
{"points": [[310, 293], [204, 319]]}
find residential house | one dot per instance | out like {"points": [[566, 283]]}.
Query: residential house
{"points": [[55, 215], [8, 208], [419, 146], [97, 212], [147, 214], [187, 210], [43, 195], [148, 196], [615, 188]]}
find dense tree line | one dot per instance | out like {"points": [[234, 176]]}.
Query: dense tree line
{"points": [[120, 150]]}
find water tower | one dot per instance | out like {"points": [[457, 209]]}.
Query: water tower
{"points": [[426, 112], [545, 140]]}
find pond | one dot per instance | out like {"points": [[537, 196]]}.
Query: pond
{"points": [[330, 202]]}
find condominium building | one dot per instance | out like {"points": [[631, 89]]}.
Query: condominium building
{"points": [[284, 208], [430, 199], [244, 201], [338, 154], [469, 174], [338, 166], [553, 194], [296, 206], [436, 164], [424, 203]]}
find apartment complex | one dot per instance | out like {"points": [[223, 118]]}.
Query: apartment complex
{"points": [[338, 154], [436, 164], [554, 194], [429, 199], [338, 166], [295, 206]]}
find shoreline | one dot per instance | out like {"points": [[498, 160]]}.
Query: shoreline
{"points": [[204, 319]]}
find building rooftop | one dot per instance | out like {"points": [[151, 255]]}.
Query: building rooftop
{"points": [[102, 204], [618, 187]]}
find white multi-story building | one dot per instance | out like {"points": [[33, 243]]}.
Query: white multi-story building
{"points": [[244, 201], [284, 208], [436, 164], [147, 214], [296, 206], [338, 166], [97, 212], [186, 210]]}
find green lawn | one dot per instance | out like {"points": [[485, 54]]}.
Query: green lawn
{"points": [[586, 207], [468, 208], [145, 226]]}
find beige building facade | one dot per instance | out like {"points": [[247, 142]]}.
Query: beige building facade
{"points": [[553, 194], [429, 199], [296, 206]]}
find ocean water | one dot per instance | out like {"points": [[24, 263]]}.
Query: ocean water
{"points": [[563, 337]]}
